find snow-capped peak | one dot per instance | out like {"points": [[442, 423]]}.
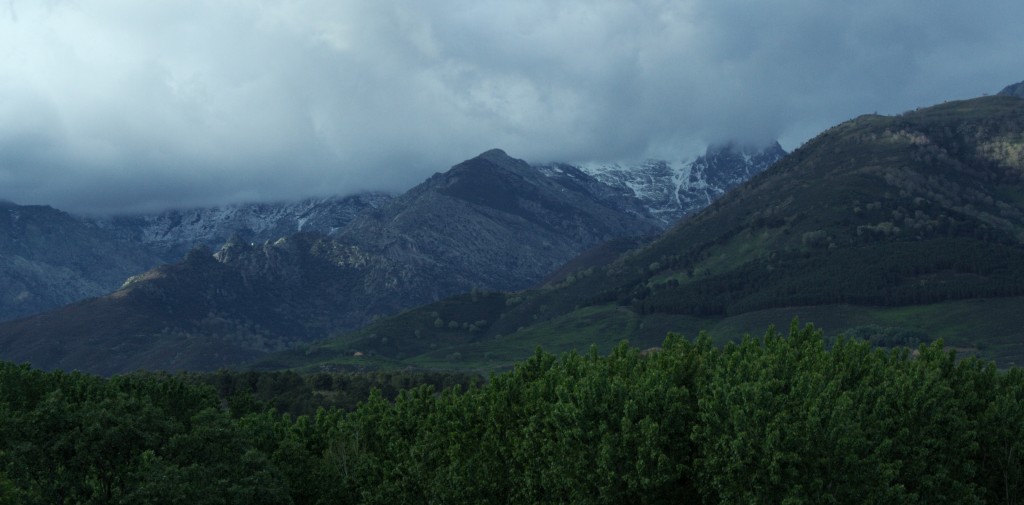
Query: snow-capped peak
{"points": [[672, 189]]}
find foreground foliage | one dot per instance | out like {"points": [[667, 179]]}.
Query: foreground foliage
{"points": [[778, 419], [303, 394]]}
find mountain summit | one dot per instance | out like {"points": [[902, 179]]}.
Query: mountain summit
{"points": [[496, 222]]}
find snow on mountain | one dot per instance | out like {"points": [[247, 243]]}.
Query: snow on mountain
{"points": [[653, 182], [616, 197], [672, 189], [174, 232], [666, 190]]}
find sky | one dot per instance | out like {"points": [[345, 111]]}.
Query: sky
{"points": [[121, 106]]}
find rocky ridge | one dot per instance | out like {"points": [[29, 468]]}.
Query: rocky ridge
{"points": [[673, 189], [61, 268], [173, 233]]}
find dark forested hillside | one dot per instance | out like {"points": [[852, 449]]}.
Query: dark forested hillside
{"points": [[917, 208], [777, 419]]}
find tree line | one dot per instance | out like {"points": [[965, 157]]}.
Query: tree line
{"points": [[776, 419]]}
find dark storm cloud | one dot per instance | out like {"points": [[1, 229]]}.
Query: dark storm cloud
{"points": [[112, 105]]}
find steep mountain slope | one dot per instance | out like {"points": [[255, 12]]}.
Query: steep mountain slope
{"points": [[879, 210], [923, 208], [49, 258], [492, 222], [671, 190]]}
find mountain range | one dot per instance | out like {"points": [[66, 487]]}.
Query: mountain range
{"points": [[53, 258], [490, 223], [898, 229], [911, 219], [49, 258]]}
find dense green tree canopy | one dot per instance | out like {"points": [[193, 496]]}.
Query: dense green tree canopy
{"points": [[776, 419]]}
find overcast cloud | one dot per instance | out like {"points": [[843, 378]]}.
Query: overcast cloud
{"points": [[122, 105]]}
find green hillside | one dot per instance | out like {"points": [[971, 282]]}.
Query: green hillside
{"points": [[880, 225]]}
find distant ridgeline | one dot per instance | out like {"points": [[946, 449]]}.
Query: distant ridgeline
{"points": [[771, 420]]}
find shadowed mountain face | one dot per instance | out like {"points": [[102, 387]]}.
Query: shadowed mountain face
{"points": [[491, 222], [49, 258], [917, 209], [1016, 90]]}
